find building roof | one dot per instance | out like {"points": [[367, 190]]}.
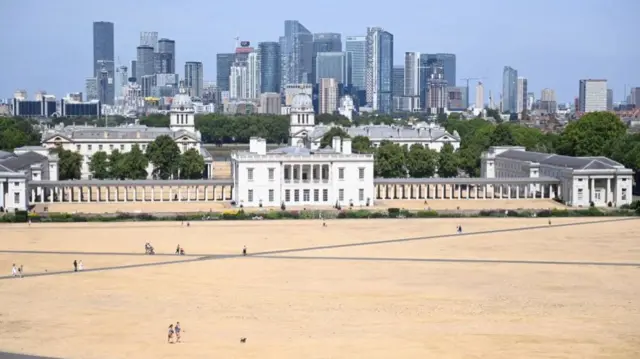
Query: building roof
{"points": [[118, 133], [550, 159], [5, 154], [22, 161], [301, 102], [384, 132], [203, 182], [182, 101], [466, 180], [300, 151]]}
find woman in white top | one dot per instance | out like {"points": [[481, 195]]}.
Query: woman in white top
{"points": [[80, 266]]}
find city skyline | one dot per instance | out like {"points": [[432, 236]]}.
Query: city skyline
{"points": [[548, 59]]}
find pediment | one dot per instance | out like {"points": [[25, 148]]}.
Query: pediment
{"points": [[302, 133], [57, 138], [445, 138]]}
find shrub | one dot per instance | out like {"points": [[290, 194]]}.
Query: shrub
{"points": [[393, 212], [272, 215], [21, 216], [378, 215], [426, 214]]}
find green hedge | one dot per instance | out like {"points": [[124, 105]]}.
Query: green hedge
{"points": [[22, 216]]}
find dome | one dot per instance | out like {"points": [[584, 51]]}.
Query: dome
{"points": [[182, 101], [301, 103]]}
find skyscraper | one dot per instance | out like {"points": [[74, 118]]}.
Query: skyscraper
{"points": [[134, 68], [332, 65], [149, 38], [356, 47], [521, 102], [479, 96], [593, 95], [509, 89], [253, 75], [436, 88], [609, 100], [269, 66], [193, 78], [328, 96], [238, 76], [324, 42], [166, 57], [411, 74], [379, 75], [297, 53], [145, 64], [103, 57], [223, 66], [398, 81]]}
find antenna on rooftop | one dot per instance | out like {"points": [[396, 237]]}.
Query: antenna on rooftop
{"points": [[237, 38]]}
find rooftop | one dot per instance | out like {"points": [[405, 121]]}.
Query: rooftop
{"points": [[17, 163], [117, 133], [382, 132], [576, 163]]}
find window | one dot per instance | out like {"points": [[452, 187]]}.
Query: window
{"points": [[361, 194], [250, 195], [306, 195], [316, 195], [121, 147], [340, 194], [272, 174], [287, 195], [250, 174], [16, 184], [341, 173], [99, 147], [111, 147], [78, 147], [597, 195], [271, 195], [89, 147], [16, 197], [580, 194], [296, 195], [361, 173], [325, 195], [624, 194]]}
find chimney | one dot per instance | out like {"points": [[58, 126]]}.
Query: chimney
{"points": [[253, 144], [138, 134], [335, 143], [346, 146], [258, 145], [106, 134], [420, 131], [262, 146]]}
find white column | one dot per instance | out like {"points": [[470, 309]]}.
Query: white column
{"points": [[518, 191], [153, 194], [51, 193], [468, 191], [206, 193], [592, 192], [542, 190], [607, 196], [170, 193], [126, 193], [476, 190]]}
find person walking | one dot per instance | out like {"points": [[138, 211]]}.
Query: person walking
{"points": [[14, 270], [178, 330], [75, 265], [20, 273], [80, 266], [244, 250]]}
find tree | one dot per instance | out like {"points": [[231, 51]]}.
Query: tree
{"points": [[421, 162], [327, 139], [594, 134], [164, 153], [69, 164], [191, 165], [328, 119], [502, 136], [117, 165], [389, 161], [361, 144], [17, 132], [99, 165], [155, 120], [135, 164], [448, 162]]}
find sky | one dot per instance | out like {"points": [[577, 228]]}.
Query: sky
{"points": [[47, 45]]}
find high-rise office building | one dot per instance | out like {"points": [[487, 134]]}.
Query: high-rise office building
{"points": [[223, 67], [253, 75], [548, 102], [145, 64], [134, 68], [149, 38], [509, 89], [411, 74], [166, 57], [328, 96], [379, 74], [324, 42], [270, 103], [103, 57], [91, 89], [593, 95], [333, 65], [356, 47], [521, 102], [122, 80], [297, 53], [238, 81], [446, 61], [457, 98], [194, 78], [634, 97], [479, 96], [269, 66], [609, 100], [437, 95], [398, 81]]}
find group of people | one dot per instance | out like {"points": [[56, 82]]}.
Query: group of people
{"points": [[148, 249], [179, 250], [78, 266], [174, 329], [17, 271]]}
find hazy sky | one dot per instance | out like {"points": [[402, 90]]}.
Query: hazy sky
{"points": [[47, 45]]}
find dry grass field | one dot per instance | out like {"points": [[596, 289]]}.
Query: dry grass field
{"points": [[506, 288]]}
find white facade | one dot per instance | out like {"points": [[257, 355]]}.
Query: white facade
{"points": [[302, 119], [479, 96], [25, 165], [521, 100], [583, 179], [89, 140], [298, 176], [238, 82], [328, 96], [253, 75], [593, 95], [347, 108]]}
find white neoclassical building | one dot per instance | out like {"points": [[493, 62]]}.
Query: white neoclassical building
{"points": [[583, 179], [18, 169], [89, 140], [299, 175]]}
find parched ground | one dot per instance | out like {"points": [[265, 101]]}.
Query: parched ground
{"points": [[505, 288]]}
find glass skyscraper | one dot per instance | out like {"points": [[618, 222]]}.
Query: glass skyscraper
{"points": [[356, 46], [194, 78], [509, 89], [297, 53], [223, 70], [324, 42], [332, 65], [270, 67], [103, 58], [379, 70], [166, 57]]}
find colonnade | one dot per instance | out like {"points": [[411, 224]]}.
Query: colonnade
{"points": [[467, 191], [130, 193]]}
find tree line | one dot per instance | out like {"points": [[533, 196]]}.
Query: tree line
{"points": [[163, 153]]}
